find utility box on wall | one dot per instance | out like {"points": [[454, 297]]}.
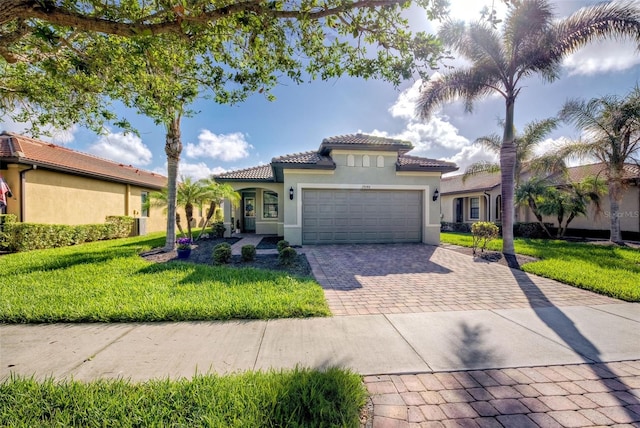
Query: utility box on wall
{"points": [[139, 226]]}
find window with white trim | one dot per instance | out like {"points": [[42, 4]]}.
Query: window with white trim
{"points": [[269, 204], [380, 161], [144, 204], [366, 162], [474, 208], [351, 160]]}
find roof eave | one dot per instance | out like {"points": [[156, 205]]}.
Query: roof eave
{"points": [[72, 171], [326, 148], [442, 169]]}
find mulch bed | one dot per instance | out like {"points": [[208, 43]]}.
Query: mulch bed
{"points": [[202, 252], [492, 256]]}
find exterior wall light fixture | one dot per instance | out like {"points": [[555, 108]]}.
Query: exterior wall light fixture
{"points": [[435, 195], [291, 193]]}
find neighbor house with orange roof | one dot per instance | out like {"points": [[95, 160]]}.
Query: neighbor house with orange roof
{"points": [[53, 184]]}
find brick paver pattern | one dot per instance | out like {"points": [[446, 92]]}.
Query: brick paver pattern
{"points": [[582, 395], [412, 278]]}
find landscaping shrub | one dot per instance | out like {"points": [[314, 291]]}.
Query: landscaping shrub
{"points": [[455, 227], [6, 219], [248, 252], [36, 236], [281, 245], [483, 232], [287, 256], [218, 229], [222, 253], [530, 230]]}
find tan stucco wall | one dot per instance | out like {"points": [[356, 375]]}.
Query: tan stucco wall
{"points": [[58, 198], [487, 210], [264, 226], [361, 177]]}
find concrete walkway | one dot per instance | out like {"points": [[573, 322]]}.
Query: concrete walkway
{"points": [[545, 355]]}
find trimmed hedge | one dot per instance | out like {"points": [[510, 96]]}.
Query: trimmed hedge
{"points": [[34, 236]]}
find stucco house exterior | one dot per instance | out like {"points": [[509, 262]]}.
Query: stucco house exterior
{"points": [[354, 189], [52, 184], [479, 199]]}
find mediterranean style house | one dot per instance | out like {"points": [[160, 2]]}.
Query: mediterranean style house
{"points": [[478, 199], [354, 189], [52, 184]]}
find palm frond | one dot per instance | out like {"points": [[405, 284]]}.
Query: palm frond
{"points": [[612, 19], [481, 167], [491, 142]]}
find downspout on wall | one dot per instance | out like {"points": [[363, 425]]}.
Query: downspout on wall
{"points": [[488, 197], [23, 186]]}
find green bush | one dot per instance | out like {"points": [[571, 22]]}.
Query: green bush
{"points": [[483, 232], [248, 252], [287, 256], [218, 230], [36, 236], [530, 230], [222, 253], [281, 245], [455, 227]]}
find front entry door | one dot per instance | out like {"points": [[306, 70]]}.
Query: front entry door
{"points": [[459, 210], [249, 212]]}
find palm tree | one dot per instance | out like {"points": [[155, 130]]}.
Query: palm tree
{"points": [[216, 193], [530, 193], [533, 135], [611, 133], [531, 43], [188, 195], [571, 200]]}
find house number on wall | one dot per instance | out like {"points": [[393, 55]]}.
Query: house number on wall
{"points": [[366, 187]]}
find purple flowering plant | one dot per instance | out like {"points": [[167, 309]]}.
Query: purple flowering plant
{"points": [[184, 243]]}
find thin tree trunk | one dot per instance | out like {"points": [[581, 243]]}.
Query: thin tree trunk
{"points": [[172, 148], [614, 214], [189, 211], [536, 213], [507, 173], [212, 209]]}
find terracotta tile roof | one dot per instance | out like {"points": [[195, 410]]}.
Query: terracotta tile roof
{"points": [[579, 173], [256, 173], [477, 183], [364, 142], [311, 158], [16, 148], [415, 163]]}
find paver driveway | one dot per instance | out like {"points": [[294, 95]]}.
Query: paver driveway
{"points": [[410, 278]]}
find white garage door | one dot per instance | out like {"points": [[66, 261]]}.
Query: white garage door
{"points": [[361, 216]]}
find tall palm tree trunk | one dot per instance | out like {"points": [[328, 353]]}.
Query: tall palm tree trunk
{"points": [[507, 172], [615, 197], [173, 148]]}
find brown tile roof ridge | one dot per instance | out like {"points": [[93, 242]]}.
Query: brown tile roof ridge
{"points": [[474, 183], [260, 172], [30, 150], [365, 140]]}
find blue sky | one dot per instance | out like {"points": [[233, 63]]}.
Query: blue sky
{"points": [[221, 138]]}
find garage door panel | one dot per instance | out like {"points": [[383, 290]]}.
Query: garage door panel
{"points": [[357, 216]]}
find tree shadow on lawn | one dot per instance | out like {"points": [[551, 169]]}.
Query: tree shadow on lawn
{"points": [[554, 318]]}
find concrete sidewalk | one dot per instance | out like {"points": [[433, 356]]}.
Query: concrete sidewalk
{"points": [[369, 344]]}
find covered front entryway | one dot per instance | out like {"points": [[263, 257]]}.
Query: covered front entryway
{"points": [[351, 216]]}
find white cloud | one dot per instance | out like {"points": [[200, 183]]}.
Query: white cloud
{"points": [[603, 56], [226, 147], [436, 132], [124, 148], [195, 171], [469, 155]]}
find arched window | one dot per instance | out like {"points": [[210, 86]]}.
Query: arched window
{"points": [[351, 160], [366, 162], [499, 207], [380, 161]]}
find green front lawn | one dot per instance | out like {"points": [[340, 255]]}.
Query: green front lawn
{"points": [[109, 281], [609, 270], [296, 398]]}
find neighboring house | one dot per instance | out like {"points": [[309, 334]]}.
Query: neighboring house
{"points": [[56, 185], [478, 199], [353, 189]]}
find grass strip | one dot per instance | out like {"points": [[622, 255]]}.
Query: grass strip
{"points": [[109, 282], [605, 269], [294, 398]]}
